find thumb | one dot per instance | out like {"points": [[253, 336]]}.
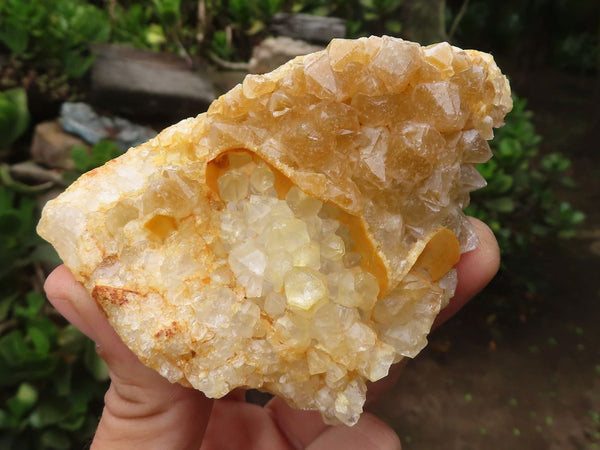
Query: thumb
{"points": [[142, 409]]}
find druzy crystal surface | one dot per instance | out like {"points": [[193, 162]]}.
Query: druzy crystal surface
{"points": [[299, 236]]}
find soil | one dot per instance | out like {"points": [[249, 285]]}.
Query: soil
{"points": [[526, 376]]}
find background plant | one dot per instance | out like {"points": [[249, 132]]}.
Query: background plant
{"points": [[85, 159], [230, 29], [521, 202], [51, 379], [53, 33], [14, 117], [555, 33]]}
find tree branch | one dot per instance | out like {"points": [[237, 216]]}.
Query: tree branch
{"points": [[457, 19]]}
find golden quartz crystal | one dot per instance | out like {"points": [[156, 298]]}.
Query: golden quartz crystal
{"points": [[299, 236]]}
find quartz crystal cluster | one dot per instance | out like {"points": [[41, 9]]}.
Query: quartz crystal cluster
{"points": [[299, 236]]}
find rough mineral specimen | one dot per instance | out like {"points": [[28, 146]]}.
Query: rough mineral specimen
{"points": [[299, 237]]}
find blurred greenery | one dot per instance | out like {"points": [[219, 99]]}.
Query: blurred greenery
{"points": [[14, 116], [521, 202], [53, 33], [86, 160], [51, 380], [557, 33]]}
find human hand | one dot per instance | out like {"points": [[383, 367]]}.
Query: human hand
{"points": [[144, 411]]}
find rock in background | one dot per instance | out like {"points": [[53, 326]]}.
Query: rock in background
{"points": [[80, 119], [297, 35], [51, 146], [308, 27], [272, 53], [138, 83]]}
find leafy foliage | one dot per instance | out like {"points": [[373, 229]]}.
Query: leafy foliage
{"points": [[102, 152], [86, 160], [363, 17], [520, 202], [554, 32], [51, 378], [53, 33], [229, 29], [134, 26], [17, 227], [159, 25]]}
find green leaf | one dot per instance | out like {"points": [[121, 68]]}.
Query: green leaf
{"points": [[16, 39], [82, 392], [20, 362], [101, 153], [499, 183], [23, 401], [70, 175], [220, 46], [76, 64], [267, 8], [81, 157], [239, 11], [18, 97], [40, 341], [168, 11], [155, 35], [510, 151], [13, 348], [104, 151], [14, 116], [35, 301], [256, 27]]}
